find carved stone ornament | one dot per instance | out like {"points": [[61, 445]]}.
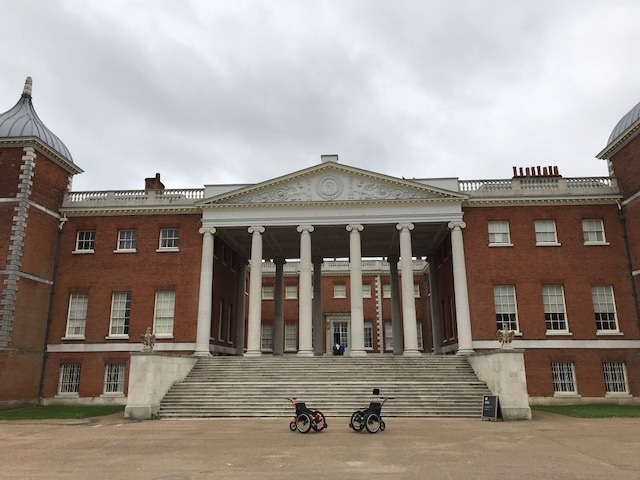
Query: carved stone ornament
{"points": [[148, 340], [505, 336]]}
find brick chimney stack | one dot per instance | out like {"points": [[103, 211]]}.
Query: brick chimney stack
{"points": [[153, 183]]}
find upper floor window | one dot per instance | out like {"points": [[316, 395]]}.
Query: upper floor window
{"points": [[563, 374], [593, 231], [169, 239], [114, 378], [120, 313], [291, 291], [366, 290], [416, 290], [69, 381], [267, 292], [127, 240], [85, 241], [77, 315], [604, 307], [546, 232], [554, 309], [339, 290], [386, 290], [504, 297], [163, 314], [499, 232]]}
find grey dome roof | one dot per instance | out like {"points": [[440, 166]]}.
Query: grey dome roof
{"points": [[22, 121], [625, 122]]}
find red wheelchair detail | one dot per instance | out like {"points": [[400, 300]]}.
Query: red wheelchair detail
{"points": [[306, 419]]}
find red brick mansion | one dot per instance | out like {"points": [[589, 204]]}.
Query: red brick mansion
{"points": [[324, 256]]}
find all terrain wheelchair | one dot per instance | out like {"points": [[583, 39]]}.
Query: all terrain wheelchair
{"points": [[371, 417], [306, 419]]}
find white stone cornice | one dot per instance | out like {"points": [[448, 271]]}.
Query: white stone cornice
{"points": [[34, 142], [617, 145]]}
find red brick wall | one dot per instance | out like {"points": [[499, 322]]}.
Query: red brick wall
{"points": [[49, 183], [625, 167], [10, 162], [39, 244]]}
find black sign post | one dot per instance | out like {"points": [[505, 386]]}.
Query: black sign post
{"points": [[491, 408]]}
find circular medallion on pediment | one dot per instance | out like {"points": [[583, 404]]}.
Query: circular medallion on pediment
{"points": [[281, 194], [329, 187]]}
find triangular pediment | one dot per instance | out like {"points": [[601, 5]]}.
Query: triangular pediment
{"points": [[332, 182]]}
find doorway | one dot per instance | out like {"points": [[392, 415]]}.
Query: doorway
{"points": [[339, 332]]}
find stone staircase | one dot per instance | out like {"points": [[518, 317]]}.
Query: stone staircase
{"points": [[426, 386]]}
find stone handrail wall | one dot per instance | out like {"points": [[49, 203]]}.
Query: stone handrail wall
{"points": [[124, 198], [539, 186]]}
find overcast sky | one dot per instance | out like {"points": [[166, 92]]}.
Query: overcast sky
{"points": [[241, 91]]}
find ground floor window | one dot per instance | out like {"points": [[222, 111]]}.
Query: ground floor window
{"points": [[114, 378], [615, 377], [368, 335], [388, 336], [290, 336], [419, 330], [69, 378], [266, 337], [563, 377]]}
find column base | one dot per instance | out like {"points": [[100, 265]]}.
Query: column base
{"points": [[357, 353], [201, 354], [253, 353], [304, 353], [465, 351], [411, 353]]}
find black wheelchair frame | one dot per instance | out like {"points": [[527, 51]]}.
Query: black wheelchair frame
{"points": [[370, 417], [306, 419]]}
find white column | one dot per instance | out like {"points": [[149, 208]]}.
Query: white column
{"points": [[463, 315], [356, 347], [278, 299], [305, 342], [255, 293], [408, 297], [436, 335], [203, 329], [318, 347], [396, 318], [241, 302]]}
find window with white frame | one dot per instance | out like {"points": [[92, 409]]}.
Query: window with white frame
{"points": [[416, 290], [419, 330], [546, 232], [114, 378], [163, 314], [386, 290], [563, 374], [169, 239], [267, 292], [127, 240], [593, 231], [69, 382], [339, 290], [615, 377], [604, 308], [388, 336], [266, 337], [290, 337], [291, 292], [229, 310], [366, 290], [220, 318], [77, 315], [504, 297], [499, 232], [368, 335], [120, 313], [554, 308], [85, 241]]}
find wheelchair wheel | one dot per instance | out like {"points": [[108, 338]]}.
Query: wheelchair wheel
{"points": [[357, 421], [318, 422], [292, 425], [303, 423], [372, 423], [382, 425]]}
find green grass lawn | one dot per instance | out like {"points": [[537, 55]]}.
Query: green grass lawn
{"points": [[592, 411], [59, 411]]}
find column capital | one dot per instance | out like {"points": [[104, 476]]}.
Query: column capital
{"points": [[305, 228], [403, 226], [279, 260], [207, 231], [317, 260], [458, 225], [256, 229], [355, 227]]}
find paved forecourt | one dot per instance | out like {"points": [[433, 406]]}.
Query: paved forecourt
{"points": [[550, 446]]}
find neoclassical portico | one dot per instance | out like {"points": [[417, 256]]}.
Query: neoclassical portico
{"points": [[333, 211]]}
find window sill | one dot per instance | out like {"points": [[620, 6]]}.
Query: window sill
{"points": [[125, 251], [548, 244], [267, 299], [566, 395], [618, 395], [590, 244], [82, 252], [558, 333], [75, 337], [67, 395], [117, 337], [168, 249], [163, 336], [112, 395], [339, 297], [605, 333], [491, 245]]}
